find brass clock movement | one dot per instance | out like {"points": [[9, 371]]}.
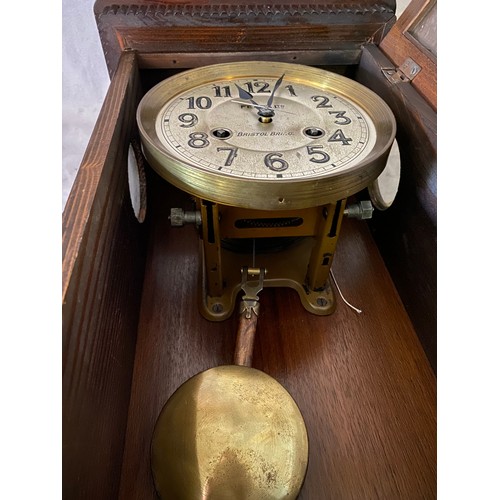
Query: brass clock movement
{"points": [[271, 151]]}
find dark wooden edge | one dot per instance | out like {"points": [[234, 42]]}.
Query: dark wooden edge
{"points": [[407, 232], [193, 28], [398, 46], [103, 268], [183, 60], [97, 163]]}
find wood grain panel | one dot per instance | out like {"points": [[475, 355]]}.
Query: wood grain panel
{"points": [[152, 60], [363, 382], [103, 261], [407, 233], [246, 38]]}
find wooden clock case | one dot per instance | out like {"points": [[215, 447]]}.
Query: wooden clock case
{"points": [[132, 332]]}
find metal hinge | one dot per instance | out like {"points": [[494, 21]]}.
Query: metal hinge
{"points": [[405, 73]]}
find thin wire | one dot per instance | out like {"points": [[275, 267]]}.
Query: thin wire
{"points": [[253, 253], [359, 311]]}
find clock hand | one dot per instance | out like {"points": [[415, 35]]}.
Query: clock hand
{"points": [[246, 95], [264, 112], [276, 85]]}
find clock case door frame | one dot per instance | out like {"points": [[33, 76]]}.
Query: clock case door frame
{"points": [[105, 250], [406, 234]]}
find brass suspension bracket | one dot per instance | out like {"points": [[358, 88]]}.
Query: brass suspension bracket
{"points": [[251, 288]]}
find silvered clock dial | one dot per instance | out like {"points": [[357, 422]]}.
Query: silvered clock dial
{"points": [[265, 135]]}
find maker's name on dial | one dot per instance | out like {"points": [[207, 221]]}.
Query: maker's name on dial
{"points": [[262, 134]]}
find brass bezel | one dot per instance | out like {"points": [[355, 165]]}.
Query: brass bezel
{"points": [[265, 194]]}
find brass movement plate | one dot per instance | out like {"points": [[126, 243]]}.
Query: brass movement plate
{"points": [[286, 268]]}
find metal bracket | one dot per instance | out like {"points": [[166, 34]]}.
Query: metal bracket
{"points": [[405, 73], [250, 300]]}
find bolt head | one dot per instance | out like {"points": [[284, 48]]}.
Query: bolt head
{"points": [[176, 217]]}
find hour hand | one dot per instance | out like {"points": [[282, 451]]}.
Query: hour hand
{"points": [[264, 111], [246, 95]]}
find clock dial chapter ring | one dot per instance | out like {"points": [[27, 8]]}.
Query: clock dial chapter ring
{"points": [[329, 141]]}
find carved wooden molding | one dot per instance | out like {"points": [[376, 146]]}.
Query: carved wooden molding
{"points": [[235, 11]]}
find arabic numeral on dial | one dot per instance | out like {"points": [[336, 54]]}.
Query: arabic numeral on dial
{"points": [[338, 136], [291, 90], [222, 91], [316, 150], [233, 153], [188, 120], [257, 87], [340, 116], [202, 102], [262, 87], [198, 140], [322, 100], [275, 162]]}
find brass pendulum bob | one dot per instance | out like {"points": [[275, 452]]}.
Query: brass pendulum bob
{"points": [[231, 432]]}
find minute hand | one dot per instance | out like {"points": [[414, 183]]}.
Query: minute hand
{"points": [[276, 85]]}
